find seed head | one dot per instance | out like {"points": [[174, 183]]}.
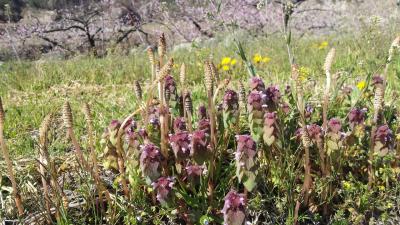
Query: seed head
{"points": [[208, 78], [378, 98], [138, 89], [150, 54], [214, 71], [44, 128], [242, 93], [88, 113], [182, 75], [329, 60], [188, 103], [162, 45], [2, 114], [165, 70], [67, 115]]}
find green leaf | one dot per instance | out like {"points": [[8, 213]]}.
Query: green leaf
{"points": [[250, 182]]}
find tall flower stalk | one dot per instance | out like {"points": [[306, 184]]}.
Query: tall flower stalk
{"points": [[10, 169], [306, 143]]}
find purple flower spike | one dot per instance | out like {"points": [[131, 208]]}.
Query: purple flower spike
{"points": [[179, 124], [180, 143], [163, 186], [256, 84], [273, 95], [204, 124], [245, 152], [377, 79], [202, 112], [308, 110], [384, 135], [199, 149], [170, 87], [231, 100], [150, 160], [356, 117], [143, 134], [234, 208], [194, 172], [114, 125], [315, 132], [255, 101], [334, 125], [270, 119]]}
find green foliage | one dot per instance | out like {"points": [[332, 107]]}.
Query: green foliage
{"points": [[33, 89]]}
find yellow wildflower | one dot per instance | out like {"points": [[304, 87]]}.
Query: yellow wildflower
{"points": [[257, 58], [323, 45], [346, 185], [398, 137], [266, 59], [225, 67], [304, 73], [226, 61], [233, 62], [361, 85]]}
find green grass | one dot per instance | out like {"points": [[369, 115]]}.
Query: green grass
{"points": [[30, 90]]}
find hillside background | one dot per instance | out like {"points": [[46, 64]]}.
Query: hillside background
{"points": [[32, 29]]}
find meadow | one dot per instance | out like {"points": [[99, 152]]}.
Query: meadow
{"points": [[281, 149]]}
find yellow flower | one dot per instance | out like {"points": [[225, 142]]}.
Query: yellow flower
{"points": [[323, 45], [266, 59], [257, 58], [381, 188], [304, 73], [398, 137], [346, 185], [225, 67], [226, 60], [361, 85], [233, 62]]}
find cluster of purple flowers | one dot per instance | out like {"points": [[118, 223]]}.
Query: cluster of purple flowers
{"points": [[230, 101], [163, 187], [356, 117], [150, 161], [234, 208]]}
